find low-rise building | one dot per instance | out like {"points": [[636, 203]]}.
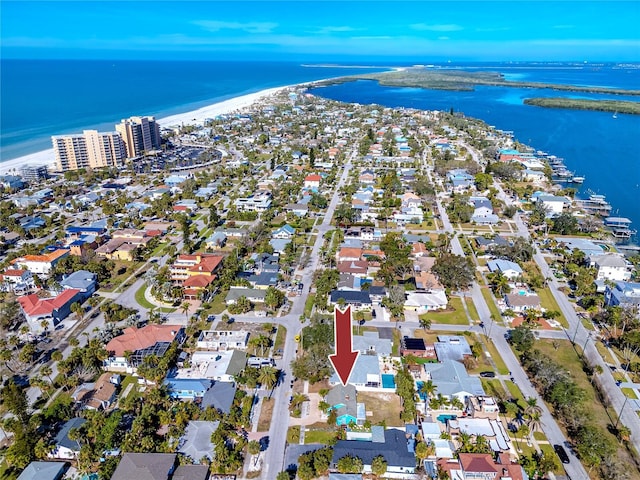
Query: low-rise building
{"points": [[509, 269], [17, 280], [40, 264], [222, 340], [521, 303], [63, 447], [147, 466], [624, 294], [127, 351], [611, 266], [46, 313]]}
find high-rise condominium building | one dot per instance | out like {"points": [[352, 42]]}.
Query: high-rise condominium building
{"points": [[91, 149], [140, 134]]}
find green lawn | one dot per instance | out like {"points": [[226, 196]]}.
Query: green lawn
{"points": [[293, 434], [218, 305], [548, 449], [473, 313], [488, 297], [515, 393], [142, 301], [308, 305], [549, 303], [280, 338], [319, 436], [454, 315], [494, 388], [630, 392], [495, 356]]}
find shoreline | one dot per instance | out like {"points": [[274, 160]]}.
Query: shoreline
{"points": [[46, 157]]}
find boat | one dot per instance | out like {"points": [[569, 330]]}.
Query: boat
{"points": [[615, 115], [576, 179], [596, 205]]}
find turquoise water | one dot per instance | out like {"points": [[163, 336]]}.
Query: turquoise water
{"points": [[388, 381], [443, 418], [422, 395]]}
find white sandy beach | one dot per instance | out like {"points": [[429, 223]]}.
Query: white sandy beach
{"points": [[46, 157]]}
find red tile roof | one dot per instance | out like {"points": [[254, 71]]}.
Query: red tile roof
{"points": [[198, 281], [313, 178], [14, 272], [134, 339], [34, 305]]}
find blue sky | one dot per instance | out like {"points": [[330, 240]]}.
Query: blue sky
{"points": [[420, 30]]}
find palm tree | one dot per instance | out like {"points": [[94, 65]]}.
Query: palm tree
{"points": [[428, 388], [253, 447], [534, 422], [499, 283], [47, 371], [532, 406], [185, 309], [425, 322], [268, 378]]}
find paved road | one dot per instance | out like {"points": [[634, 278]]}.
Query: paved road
{"points": [[274, 456]]}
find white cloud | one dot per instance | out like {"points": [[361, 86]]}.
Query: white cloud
{"points": [[443, 27], [331, 29], [249, 27]]}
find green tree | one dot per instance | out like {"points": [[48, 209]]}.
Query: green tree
{"points": [[350, 464], [268, 377], [379, 466], [425, 322], [522, 338], [273, 298], [565, 224], [453, 271]]}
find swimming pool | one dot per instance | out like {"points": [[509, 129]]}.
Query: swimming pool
{"points": [[388, 381], [443, 418], [422, 395]]}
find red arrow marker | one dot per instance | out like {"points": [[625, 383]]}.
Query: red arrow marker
{"points": [[345, 358]]}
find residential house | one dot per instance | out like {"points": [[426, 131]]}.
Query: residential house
{"points": [[11, 182], [145, 466], [359, 300], [279, 245], [370, 343], [483, 211], [191, 472], [624, 294], [509, 269], [611, 266], [128, 350], [38, 310], [460, 180], [285, 232], [220, 365], [17, 281], [342, 400], [452, 380], [417, 347], [40, 264], [254, 295], [199, 264], [474, 466], [298, 209], [553, 204], [358, 269], [223, 340], [392, 444], [484, 243], [411, 200], [196, 441], [215, 241], [43, 471], [65, 448], [257, 202], [422, 302], [365, 373], [452, 347], [367, 177], [312, 181], [492, 430], [521, 303], [96, 396], [123, 244], [349, 254], [482, 407], [81, 280], [187, 388]]}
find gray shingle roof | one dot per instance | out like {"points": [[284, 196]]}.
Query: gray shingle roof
{"points": [[145, 466], [220, 396], [43, 471], [62, 438], [196, 441], [394, 450]]}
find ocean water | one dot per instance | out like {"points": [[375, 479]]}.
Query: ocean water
{"points": [[604, 149], [40, 98]]}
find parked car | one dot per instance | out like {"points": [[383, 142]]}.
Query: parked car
{"points": [[488, 374], [562, 453]]}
